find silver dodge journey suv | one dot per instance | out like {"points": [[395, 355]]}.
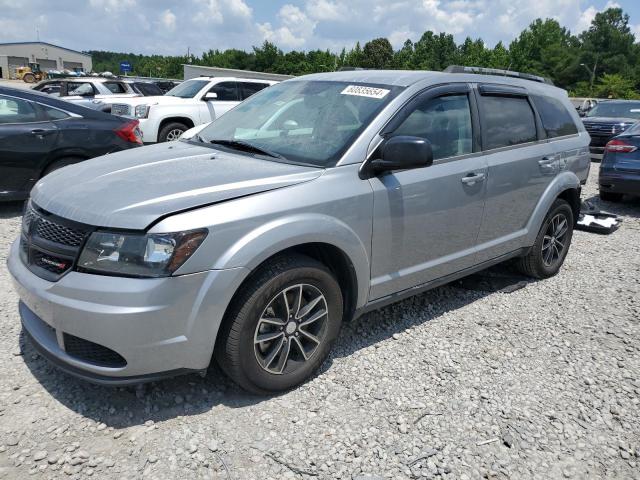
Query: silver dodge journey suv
{"points": [[314, 201]]}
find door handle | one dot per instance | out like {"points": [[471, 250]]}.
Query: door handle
{"points": [[548, 160], [473, 178], [39, 132]]}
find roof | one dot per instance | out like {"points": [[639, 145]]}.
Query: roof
{"points": [[405, 78], [44, 43]]}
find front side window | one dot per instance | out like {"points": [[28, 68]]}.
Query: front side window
{"points": [[188, 89], [16, 110], [507, 121], [303, 121], [83, 89], [226, 91], [445, 122], [556, 120]]}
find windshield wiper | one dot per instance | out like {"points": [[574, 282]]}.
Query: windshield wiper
{"points": [[247, 147]]}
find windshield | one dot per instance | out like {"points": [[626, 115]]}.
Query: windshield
{"points": [[187, 89], [309, 122], [616, 110]]}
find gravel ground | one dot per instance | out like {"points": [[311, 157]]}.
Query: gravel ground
{"points": [[456, 383]]}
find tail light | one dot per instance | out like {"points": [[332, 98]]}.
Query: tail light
{"points": [[130, 132], [620, 146]]}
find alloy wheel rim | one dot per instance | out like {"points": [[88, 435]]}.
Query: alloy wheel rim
{"points": [[554, 240], [174, 135], [290, 329]]}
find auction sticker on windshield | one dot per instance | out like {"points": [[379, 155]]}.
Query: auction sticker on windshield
{"points": [[360, 91]]}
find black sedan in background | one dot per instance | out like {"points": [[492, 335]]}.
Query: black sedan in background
{"points": [[40, 133], [608, 119], [620, 167]]}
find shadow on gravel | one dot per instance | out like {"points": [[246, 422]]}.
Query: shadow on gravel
{"points": [[628, 207], [192, 395], [125, 407], [11, 209]]}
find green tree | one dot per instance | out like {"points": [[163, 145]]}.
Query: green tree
{"points": [[377, 53], [615, 86]]}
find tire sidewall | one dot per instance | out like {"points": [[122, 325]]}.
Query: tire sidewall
{"points": [[560, 207], [249, 366], [162, 136]]}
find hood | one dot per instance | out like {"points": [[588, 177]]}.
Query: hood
{"points": [[133, 188], [608, 120]]}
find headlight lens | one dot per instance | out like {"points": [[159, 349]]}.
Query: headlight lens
{"points": [[142, 111], [140, 255]]}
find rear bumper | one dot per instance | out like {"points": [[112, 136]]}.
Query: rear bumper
{"points": [[628, 183]]}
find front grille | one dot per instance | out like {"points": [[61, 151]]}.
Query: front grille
{"points": [[92, 352], [604, 129], [120, 109], [50, 245], [56, 233]]}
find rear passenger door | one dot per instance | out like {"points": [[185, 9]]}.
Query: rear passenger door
{"points": [[521, 165], [426, 220]]}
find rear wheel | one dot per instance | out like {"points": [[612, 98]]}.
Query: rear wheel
{"points": [[552, 243], [171, 132], [29, 78], [280, 327], [610, 196]]}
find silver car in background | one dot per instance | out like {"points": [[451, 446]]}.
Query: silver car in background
{"points": [[314, 201]]}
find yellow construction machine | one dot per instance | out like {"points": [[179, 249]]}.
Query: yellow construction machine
{"points": [[30, 74]]}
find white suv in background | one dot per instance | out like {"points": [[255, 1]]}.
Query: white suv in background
{"points": [[193, 102]]}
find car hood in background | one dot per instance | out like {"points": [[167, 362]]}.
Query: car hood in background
{"points": [[157, 100], [608, 120], [134, 188]]}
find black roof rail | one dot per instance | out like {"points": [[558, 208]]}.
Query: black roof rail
{"points": [[497, 71]]}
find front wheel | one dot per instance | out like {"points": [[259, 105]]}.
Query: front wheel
{"points": [[171, 132], [281, 325], [552, 243]]}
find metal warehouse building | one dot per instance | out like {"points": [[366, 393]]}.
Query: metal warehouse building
{"points": [[50, 57]]}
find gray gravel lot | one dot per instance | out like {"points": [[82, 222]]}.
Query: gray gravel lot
{"points": [[456, 383]]}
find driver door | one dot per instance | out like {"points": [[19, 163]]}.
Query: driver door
{"points": [[426, 220], [227, 97]]}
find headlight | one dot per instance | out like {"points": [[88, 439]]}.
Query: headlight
{"points": [[140, 255], [142, 111]]}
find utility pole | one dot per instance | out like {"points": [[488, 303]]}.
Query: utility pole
{"points": [[592, 74]]}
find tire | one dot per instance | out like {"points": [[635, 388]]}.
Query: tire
{"points": [[610, 196], [254, 312], [29, 78], [58, 164], [545, 257], [169, 132]]}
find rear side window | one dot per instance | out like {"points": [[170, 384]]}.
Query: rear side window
{"points": [[54, 113], [15, 110], [249, 88], [83, 89], [226, 91], [507, 121], [115, 87], [148, 89], [556, 121]]}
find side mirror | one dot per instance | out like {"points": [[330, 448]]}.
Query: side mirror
{"points": [[210, 96], [582, 113], [402, 153]]}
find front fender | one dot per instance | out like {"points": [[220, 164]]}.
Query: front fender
{"points": [[268, 239], [564, 181]]}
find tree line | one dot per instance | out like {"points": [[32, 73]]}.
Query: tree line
{"points": [[602, 61]]}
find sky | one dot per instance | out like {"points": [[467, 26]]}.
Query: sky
{"points": [[172, 27]]}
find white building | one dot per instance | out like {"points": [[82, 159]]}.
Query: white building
{"points": [[50, 57]]}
